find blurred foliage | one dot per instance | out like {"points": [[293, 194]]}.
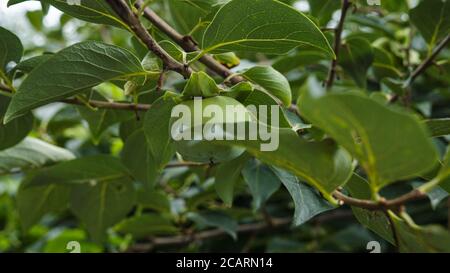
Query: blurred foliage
{"points": [[381, 47]]}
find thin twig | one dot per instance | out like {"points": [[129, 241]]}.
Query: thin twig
{"points": [[252, 228], [132, 20], [337, 43], [186, 164], [205, 235], [382, 204], [109, 105], [188, 44], [428, 61]]}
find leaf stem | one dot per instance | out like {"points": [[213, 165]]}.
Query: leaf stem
{"points": [[381, 204], [8, 86], [427, 187], [428, 61]]}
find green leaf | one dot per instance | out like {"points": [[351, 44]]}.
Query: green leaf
{"points": [[384, 65], [385, 140], [174, 50], [58, 243], [35, 202], [94, 11], [157, 200], [146, 225], [416, 239], [31, 153], [15, 131], [102, 191], [400, 5], [261, 181], [321, 164], [323, 9], [11, 50], [259, 98], [272, 81], [301, 59], [14, 2], [228, 59], [102, 204], [356, 58], [157, 130], [201, 84], [35, 17], [66, 117], [376, 221], [71, 71], [86, 170], [266, 26], [227, 175], [29, 64], [432, 18], [438, 127], [191, 16], [127, 128], [308, 203], [436, 195], [240, 91], [138, 159], [215, 219], [101, 119], [442, 177]]}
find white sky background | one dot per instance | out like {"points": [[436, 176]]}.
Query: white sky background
{"points": [[14, 19]]}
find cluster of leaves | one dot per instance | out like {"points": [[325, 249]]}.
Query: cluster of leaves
{"points": [[101, 164]]}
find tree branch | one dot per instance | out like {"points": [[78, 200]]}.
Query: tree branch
{"points": [[186, 164], [428, 61], [132, 20], [188, 44], [207, 234], [337, 43], [382, 204], [109, 105], [252, 228]]}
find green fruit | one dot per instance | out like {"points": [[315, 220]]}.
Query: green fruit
{"points": [[208, 151]]}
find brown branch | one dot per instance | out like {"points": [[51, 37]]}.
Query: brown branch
{"points": [[132, 20], [208, 234], [428, 61], [252, 228], [109, 105], [186, 164], [337, 43], [382, 204], [188, 44]]}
